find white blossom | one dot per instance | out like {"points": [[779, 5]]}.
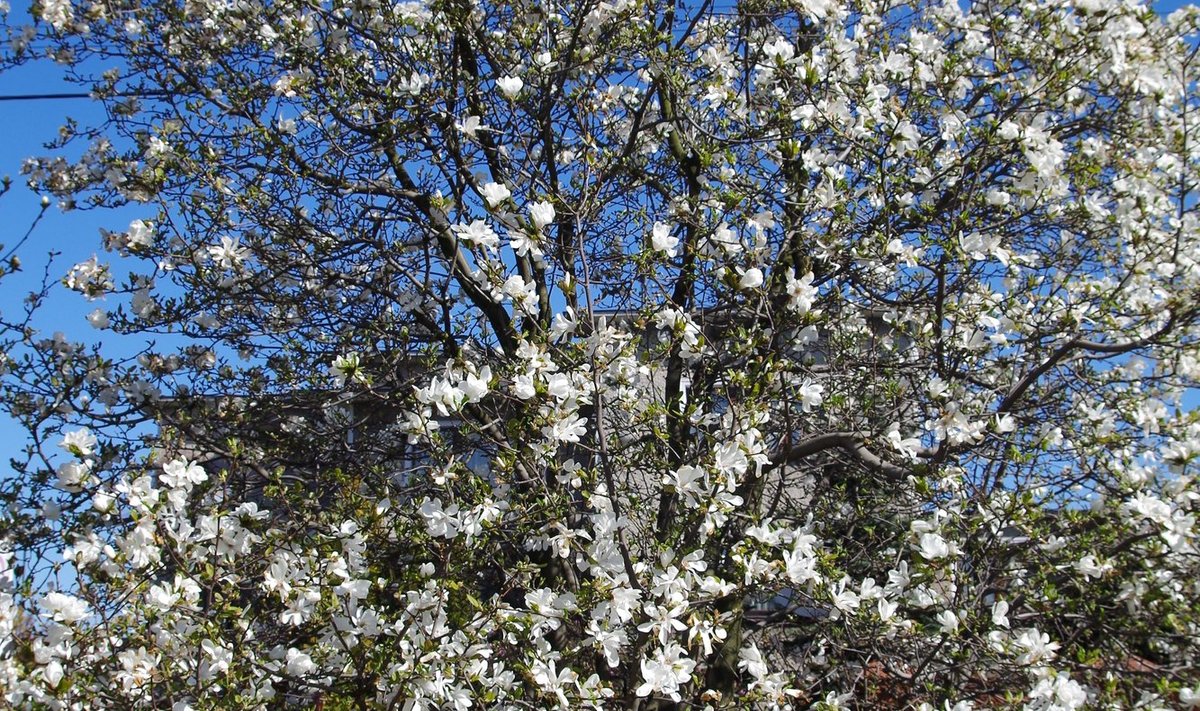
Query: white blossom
{"points": [[510, 86], [495, 193]]}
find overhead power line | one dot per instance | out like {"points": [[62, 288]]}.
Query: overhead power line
{"points": [[77, 95]]}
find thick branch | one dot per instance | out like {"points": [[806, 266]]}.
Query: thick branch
{"points": [[849, 442], [495, 313]]}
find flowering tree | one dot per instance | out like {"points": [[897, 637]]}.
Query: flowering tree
{"points": [[616, 355]]}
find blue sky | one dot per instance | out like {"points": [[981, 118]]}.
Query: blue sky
{"points": [[27, 125]]}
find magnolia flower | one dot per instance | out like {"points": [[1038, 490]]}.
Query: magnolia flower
{"points": [[137, 668], [523, 293], [470, 126], [524, 244], [542, 214], [844, 600], [1046, 157], [817, 9], [807, 336], [551, 679], [98, 319], [219, 657], [811, 395], [139, 545], [298, 663], [730, 460], [562, 325], [548, 603], [800, 566], [688, 482], [559, 386], [162, 597], [662, 240], [949, 621], [1053, 544], [1056, 690], [1008, 131], [73, 475], [665, 672], [143, 303], [523, 386], [474, 387], [478, 232], [751, 659], [726, 241], [182, 473], [1000, 614], [751, 279], [932, 546], [869, 589], [510, 86], [90, 278], [57, 12], [443, 395], [997, 198], [103, 501], [834, 701], [780, 50], [346, 367], [52, 673], [568, 429], [300, 608], [495, 193], [229, 254], [910, 447], [64, 608], [441, 523], [609, 641], [1148, 506], [140, 234], [937, 388], [1089, 567], [663, 620], [801, 293], [206, 320], [1035, 646], [81, 442]]}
